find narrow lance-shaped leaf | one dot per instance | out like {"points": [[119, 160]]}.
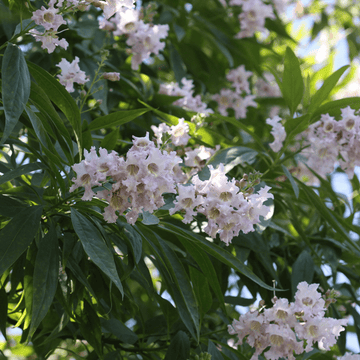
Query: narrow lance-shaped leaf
{"points": [[219, 253], [292, 82], [21, 170], [45, 277], [303, 270], [59, 96], [95, 247], [15, 87], [322, 94], [17, 235], [292, 181], [116, 119]]}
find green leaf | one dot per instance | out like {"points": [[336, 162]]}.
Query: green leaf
{"points": [[149, 219], [45, 278], [302, 270], [109, 141], [21, 170], [333, 108], [322, 94], [179, 284], [78, 273], [214, 352], [90, 328], [60, 97], [95, 247], [134, 240], [15, 87], [177, 63], [3, 311], [17, 235], [10, 207], [292, 82], [240, 126], [292, 181], [336, 223], [236, 300], [116, 119], [230, 157], [206, 267], [117, 328], [218, 253], [41, 101], [202, 291], [43, 137], [179, 348], [183, 285]]}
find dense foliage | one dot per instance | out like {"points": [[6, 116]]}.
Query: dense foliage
{"points": [[161, 168]]}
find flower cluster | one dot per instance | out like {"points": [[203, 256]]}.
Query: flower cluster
{"points": [[51, 20], [136, 184], [227, 207], [281, 326], [188, 100], [278, 131], [70, 73], [143, 38], [252, 16], [332, 142], [239, 99]]}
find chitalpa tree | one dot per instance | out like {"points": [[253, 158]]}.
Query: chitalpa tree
{"points": [[166, 180]]}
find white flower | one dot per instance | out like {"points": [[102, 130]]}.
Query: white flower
{"points": [[49, 40], [278, 131], [70, 73]]}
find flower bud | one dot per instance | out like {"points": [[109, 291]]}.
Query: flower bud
{"points": [[82, 94], [112, 76]]}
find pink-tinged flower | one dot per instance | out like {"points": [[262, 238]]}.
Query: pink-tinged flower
{"points": [[70, 73], [186, 201], [127, 22], [278, 131], [253, 15], [241, 104], [110, 7], [48, 18], [282, 313], [180, 133], [349, 356], [112, 76], [159, 131], [225, 100], [105, 24], [239, 78], [309, 300], [49, 40], [146, 41], [188, 101]]}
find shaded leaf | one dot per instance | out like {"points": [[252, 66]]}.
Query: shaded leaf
{"points": [[116, 119], [17, 235], [322, 94], [292, 82], [292, 181], [117, 328], [302, 270], [15, 86], [59, 96], [95, 247], [21, 170], [179, 348], [45, 277]]}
